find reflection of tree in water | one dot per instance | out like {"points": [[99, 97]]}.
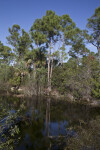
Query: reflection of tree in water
{"points": [[48, 117], [44, 120]]}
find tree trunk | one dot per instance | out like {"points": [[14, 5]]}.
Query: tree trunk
{"points": [[62, 55], [49, 85], [51, 69], [62, 59], [77, 62]]}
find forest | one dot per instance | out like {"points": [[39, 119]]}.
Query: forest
{"points": [[50, 85], [52, 58]]}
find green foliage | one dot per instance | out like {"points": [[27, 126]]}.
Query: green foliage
{"points": [[15, 81], [6, 73], [94, 25], [13, 38], [46, 29], [20, 40], [36, 68], [43, 65], [10, 136], [96, 86], [82, 82], [6, 54]]}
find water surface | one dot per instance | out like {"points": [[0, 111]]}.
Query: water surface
{"points": [[47, 123]]}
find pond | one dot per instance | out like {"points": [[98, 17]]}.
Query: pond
{"points": [[45, 123]]}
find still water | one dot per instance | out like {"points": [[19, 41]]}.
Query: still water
{"points": [[46, 123]]}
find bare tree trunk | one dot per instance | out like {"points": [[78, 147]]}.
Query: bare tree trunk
{"points": [[62, 59], [88, 92], [77, 62], [51, 70], [49, 86], [62, 55]]}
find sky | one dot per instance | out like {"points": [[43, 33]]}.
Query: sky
{"points": [[24, 13]]}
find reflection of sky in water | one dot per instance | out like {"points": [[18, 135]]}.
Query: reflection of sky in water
{"points": [[43, 122], [53, 128], [56, 128]]}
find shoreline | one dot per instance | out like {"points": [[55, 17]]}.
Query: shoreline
{"points": [[93, 103]]}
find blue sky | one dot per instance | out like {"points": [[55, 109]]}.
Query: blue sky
{"points": [[24, 12]]}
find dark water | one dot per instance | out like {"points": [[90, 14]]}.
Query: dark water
{"points": [[47, 123]]}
